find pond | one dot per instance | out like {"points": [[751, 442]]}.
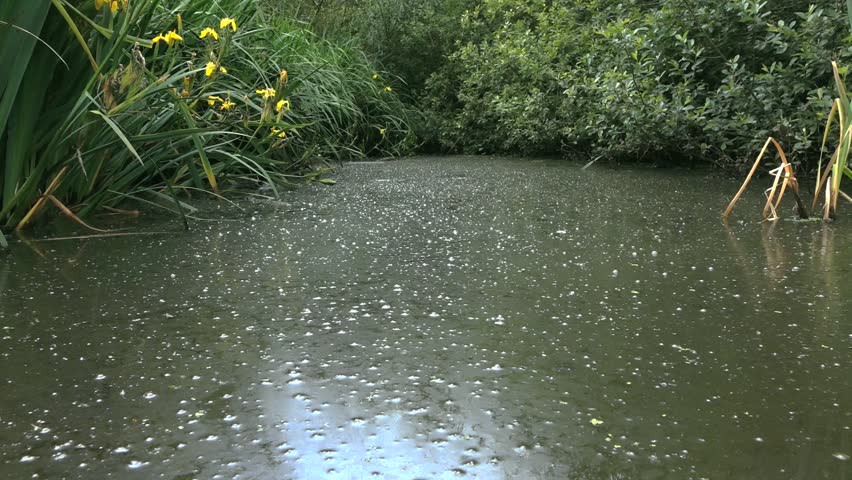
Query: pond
{"points": [[438, 318]]}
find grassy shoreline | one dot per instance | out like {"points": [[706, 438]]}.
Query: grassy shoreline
{"points": [[115, 103]]}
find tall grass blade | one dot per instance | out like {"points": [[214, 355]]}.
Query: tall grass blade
{"points": [[58, 4], [849, 14], [36, 37], [135, 154], [16, 49]]}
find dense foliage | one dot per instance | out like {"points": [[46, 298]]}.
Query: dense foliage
{"points": [[670, 79], [109, 102], [93, 112], [659, 80]]}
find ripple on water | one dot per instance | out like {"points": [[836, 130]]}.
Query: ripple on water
{"points": [[460, 317]]}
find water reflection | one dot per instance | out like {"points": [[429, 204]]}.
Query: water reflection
{"points": [[328, 428]]}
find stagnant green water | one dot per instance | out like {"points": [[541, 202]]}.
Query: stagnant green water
{"points": [[436, 318]]}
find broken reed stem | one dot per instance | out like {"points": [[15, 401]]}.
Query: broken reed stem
{"points": [[773, 198], [828, 213], [770, 205], [54, 184], [791, 180], [739, 194], [771, 208], [132, 213], [97, 235], [67, 211], [825, 176]]}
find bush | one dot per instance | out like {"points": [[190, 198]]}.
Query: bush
{"points": [[666, 80]]}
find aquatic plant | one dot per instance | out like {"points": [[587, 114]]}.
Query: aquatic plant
{"points": [[773, 194], [837, 166], [107, 102], [829, 175]]}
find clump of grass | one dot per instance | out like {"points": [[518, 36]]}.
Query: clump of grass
{"points": [[109, 102]]}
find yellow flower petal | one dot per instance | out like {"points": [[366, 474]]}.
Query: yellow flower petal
{"points": [[227, 105], [212, 99], [281, 105], [596, 422], [388, 89], [209, 32], [228, 22], [113, 6], [223, 70], [266, 93], [209, 69]]}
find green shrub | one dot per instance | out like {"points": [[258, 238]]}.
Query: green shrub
{"points": [[668, 80]]}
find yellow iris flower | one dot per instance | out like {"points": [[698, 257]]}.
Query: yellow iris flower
{"points": [[209, 32], [114, 5], [382, 131], [168, 38], [266, 93], [228, 22], [375, 76], [388, 89], [279, 133], [173, 36], [282, 104], [225, 104], [212, 68]]}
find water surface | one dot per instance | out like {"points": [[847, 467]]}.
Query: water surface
{"points": [[438, 318]]}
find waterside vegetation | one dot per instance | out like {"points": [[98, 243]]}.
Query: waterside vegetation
{"points": [[672, 81], [106, 103]]}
